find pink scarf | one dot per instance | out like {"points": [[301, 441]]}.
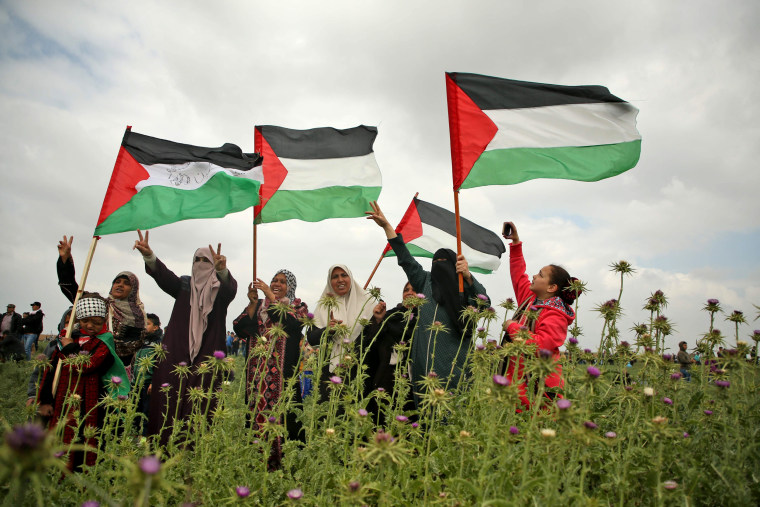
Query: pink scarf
{"points": [[204, 286]]}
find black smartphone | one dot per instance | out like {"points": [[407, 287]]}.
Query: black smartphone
{"points": [[507, 230]]}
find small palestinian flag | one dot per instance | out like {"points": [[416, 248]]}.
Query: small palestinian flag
{"points": [[157, 182], [427, 227], [505, 132], [316, 174]]}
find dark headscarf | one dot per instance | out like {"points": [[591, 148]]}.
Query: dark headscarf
{"points": [[445, 284]]}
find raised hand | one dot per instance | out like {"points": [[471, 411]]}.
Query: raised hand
{"points": [[263, 287], [141, 245], [464, 268], [252, 294], [377, 215], [220, 261], [513, 234], [64, 248], [379, 311]]}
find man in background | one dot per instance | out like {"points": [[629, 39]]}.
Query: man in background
{"points": [[32, 325]]}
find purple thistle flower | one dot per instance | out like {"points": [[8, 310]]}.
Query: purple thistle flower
{"points": [[722, 384], [415, 425], [573, 340], [59, 454], [91, 503], [686, 435], [182, 364], [587, 351], [593, 371], [295, 494], [590, 425], [480, 346], [712, 301], [628, 388], [544, 353], [670, 485], [310, 315], [380, 389], [420, 295], [667, 401], [481, 330], [242, 491], [81, 353], [500, 380], [150, 465], [708, 412], [533, 308], [610, 434], [482, 297], [336, 379], [402, 418], [115, 380], [667, 357], [363, 412], [272, 419], [675, 376], [513, 430], [165, 384], [218, 354], [625, 344], [432, 374], [25, 437], [354, 485], [756, 332], [564, 404], [122, 397]]}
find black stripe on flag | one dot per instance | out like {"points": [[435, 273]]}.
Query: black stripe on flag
{"points": [[497, 93], [476, 237], [319, 143], [151, 150]]}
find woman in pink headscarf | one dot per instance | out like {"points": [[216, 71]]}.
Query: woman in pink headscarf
{"points": [[196, 328]]}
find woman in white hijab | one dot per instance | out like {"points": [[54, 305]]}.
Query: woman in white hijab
{"points": [[353, 304], [197, 327]]}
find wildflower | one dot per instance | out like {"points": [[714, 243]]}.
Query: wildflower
{"points": [[336, 379], [675, 376], [91, 503], [480, 346], [272, 419], [590, 425], [658, 419], [708, 412], [310, 315], [295, 494], [544, 353], [402, 418], [242, 491], [686, 435], [648, 391], [354, 485], [182, 364], [362, 412], [500, 380], [712, 302], [667, 357], [464, 434], [380, 389], [59, 454], [563, 404], [573, 340], [548, 433], [218, 354], [628, 388], [432, 374], [482, 297], [722, 384], [593, 371], [415, 425], [122, 397], [513, 430], [671, 485], [587, 351], [330, 431], [667, 401], [115, 380], [25, 437], [165, 385], [420, 295], [610, 434], [150, 465]]}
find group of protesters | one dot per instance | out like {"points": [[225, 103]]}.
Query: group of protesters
{"points": [[114, 332], [19, 334]]}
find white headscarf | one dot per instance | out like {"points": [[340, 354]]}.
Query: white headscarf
{"points": [[352, 306], [204, 286]]}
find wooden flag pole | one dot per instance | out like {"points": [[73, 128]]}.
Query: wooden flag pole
{"points": [[373, 271], [254, 244], [78, 296], [459, 238]]}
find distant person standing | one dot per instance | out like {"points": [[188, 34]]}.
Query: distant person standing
{"points": [[685, 361], [32, 325], [11, 321]]}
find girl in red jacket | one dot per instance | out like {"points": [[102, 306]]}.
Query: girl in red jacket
{"points": [[546, 296]]}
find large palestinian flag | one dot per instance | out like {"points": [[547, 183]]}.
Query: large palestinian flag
{"points": [[426, 227], [157, 182], [316, 174], [504, 131]]}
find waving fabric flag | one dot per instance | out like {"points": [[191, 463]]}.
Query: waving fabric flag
{"points": [[157, 182], [427, 227], [504, 131], [316, 174]]}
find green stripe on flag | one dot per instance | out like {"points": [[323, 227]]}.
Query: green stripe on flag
{"points": [[319, 204], [157, 205], [582, 163]]}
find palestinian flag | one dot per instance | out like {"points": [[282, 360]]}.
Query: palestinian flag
{"points": [[427, 227], [157, 182], [505, 132], [316, 174]]}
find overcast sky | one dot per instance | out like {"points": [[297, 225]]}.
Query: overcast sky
{"points": [[74, 74]]}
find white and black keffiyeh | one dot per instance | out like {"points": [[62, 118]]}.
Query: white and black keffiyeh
{"points": [[91, 307]]}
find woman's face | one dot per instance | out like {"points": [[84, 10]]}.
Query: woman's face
{"points": [[541, 282], [408, 291], [121, 288], [279, 285], [340, 282]]}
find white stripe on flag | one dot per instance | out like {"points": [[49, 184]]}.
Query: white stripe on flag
{"points": [[313, 174], [566, 125], [191, 175], [433, 238]]}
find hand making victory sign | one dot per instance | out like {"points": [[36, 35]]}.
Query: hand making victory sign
{"points": [[220, 261]]}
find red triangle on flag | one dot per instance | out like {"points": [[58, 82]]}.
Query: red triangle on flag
{"points": [[127, 173], [273, 170], [410, 225]]}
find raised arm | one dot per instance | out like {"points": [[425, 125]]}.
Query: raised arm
{"points": [[65, 268], [164, 277]]}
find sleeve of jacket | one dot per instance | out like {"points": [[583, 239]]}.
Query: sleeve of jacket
{"points": [[66, 279], [414, 271], [551, 330], [165, 278], [517, 271]]}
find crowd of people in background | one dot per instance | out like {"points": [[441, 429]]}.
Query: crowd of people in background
{"points": [[118, 336]]}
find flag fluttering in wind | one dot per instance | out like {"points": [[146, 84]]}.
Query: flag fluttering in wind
{"points": [[316, 174], [427, 227], [157, 182], [505, 132]]}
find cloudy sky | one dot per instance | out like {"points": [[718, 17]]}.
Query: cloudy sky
{"points": [[74, 74]]}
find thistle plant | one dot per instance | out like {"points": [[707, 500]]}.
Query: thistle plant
{"points": [[737, 317]]}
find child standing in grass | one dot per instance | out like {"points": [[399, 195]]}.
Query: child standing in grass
{"points": [[72, 388], [547, 298]]}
